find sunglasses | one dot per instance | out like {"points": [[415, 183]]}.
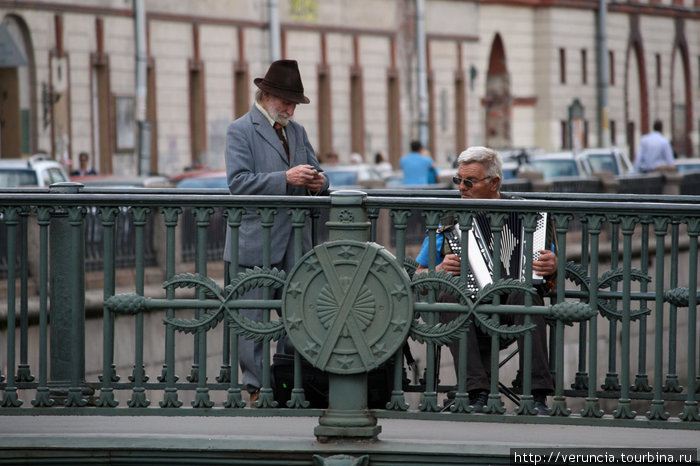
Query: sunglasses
{"points": [[469, 183]]}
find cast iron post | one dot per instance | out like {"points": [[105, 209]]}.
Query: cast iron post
{"points": [[347, 414], [67, 293]]}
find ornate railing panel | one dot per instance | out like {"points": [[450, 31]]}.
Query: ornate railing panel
{"points": [[350, 307]]}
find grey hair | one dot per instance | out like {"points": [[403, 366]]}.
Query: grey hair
{"points": [[489, 158], [259, 93]]}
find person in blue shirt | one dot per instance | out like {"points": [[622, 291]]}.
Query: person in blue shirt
{"points": [[654, 151], [479, 176], [417, 167]]}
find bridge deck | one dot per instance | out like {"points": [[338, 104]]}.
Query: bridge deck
{"points": [[257, 440]]}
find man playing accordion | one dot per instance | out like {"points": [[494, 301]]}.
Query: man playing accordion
{"points": [[479, 176]]}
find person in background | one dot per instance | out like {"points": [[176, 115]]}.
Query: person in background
{"points": [[479, 177], [654, 151], [268, 153], [383, 167], [356, 158], [416, 166], [83, 169]]}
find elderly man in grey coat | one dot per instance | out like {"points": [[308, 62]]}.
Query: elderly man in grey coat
{"points": [[267, 153]]}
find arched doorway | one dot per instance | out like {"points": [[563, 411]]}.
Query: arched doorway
{"points": [[498, 98], [18, 134]]}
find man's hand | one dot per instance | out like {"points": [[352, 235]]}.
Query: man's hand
{"points": [[306, 176], [546, 265], [451, 264], [316, 184]]}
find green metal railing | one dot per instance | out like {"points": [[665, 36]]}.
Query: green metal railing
{"points": [[623, 315]]}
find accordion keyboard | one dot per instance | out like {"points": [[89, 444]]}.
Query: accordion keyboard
{"points": [[538, 240]]}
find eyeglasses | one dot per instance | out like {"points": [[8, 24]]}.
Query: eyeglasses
{"points": [[468, 182]]}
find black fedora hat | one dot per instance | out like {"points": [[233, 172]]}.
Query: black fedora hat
{"points": [[284, 81]]}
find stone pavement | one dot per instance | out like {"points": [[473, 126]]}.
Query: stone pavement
{"points": [[295, 434]]}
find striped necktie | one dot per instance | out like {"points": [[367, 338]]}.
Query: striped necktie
{"points": [[280, 134]]}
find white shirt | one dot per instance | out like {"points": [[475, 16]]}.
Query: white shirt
{"points": [[654, 151]]}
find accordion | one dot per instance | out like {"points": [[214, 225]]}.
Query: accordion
{"points": [[513, 257]]}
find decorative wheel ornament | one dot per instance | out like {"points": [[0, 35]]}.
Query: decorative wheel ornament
{"points": [[347, 306]]}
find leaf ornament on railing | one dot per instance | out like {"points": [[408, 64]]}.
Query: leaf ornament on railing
{"points": [[410, 265], [207, 320], [440, 333], [190, 280], [614, 276], [256, 277], [577, 274], [443, 333], [502, 287], [680, 297]]}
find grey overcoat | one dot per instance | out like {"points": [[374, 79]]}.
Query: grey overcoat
{"points": [[256, 164]]}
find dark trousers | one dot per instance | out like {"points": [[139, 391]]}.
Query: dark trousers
{"points": [[478, 354]]}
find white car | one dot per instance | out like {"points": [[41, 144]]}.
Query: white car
{"points": [[34, 171], [559, 164], [610, 159], [353, 175]]}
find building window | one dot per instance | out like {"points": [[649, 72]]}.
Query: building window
{"points": [[562, 66], [584, 67], [151, 114], [460, 112], [658, 70], [564, 134], [630, 129], [197, 115], [612, 133], [394, 122], [357, 114], [325, 130], [611, 67], [241, 95]]}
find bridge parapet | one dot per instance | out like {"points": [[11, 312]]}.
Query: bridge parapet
{"points": [[352, 305]]}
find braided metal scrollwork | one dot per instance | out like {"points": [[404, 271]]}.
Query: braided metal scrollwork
{"points": [[680, 297]]}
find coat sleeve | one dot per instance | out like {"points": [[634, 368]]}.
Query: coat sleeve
{"points": [[312, 160]]}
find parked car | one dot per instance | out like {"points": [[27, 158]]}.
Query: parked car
{"points": [[687, 165], [37, 170], [609, 159], [201, 179], [122, 181], [353, 175], [559, 164]]}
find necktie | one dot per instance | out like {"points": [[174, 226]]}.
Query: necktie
{"points": [[280, 134]]}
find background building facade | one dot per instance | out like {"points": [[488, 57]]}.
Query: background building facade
{"points": [[503, 73]]}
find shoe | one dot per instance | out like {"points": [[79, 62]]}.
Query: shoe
{"points": [[541, 405], [478, 400], [254, 397]]}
